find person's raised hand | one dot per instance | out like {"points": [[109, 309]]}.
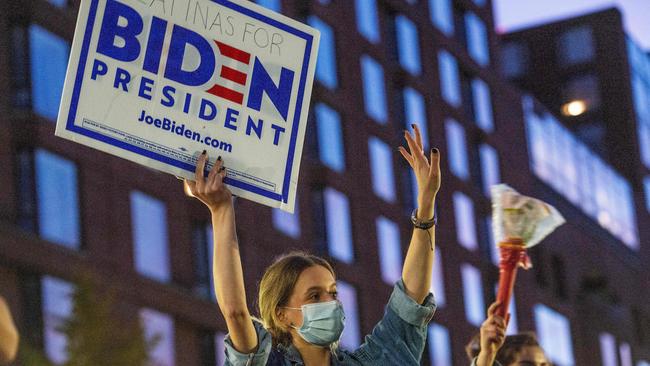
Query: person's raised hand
{"points": [[493, 334], [210, 190], [427, 171]]}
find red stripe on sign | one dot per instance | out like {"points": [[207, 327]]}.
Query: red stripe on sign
{"points": [[234, 53], [233, 75], [225, 93]]}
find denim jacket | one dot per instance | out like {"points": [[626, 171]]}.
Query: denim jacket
{"points": [[398, 339]]}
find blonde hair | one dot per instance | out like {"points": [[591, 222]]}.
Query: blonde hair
{"points": [[276, 287]]}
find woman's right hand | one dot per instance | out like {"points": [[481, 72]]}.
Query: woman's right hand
{"points": [[493, 334], [211, 190]]}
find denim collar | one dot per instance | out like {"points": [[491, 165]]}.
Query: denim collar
{"points": [[292, 354]]}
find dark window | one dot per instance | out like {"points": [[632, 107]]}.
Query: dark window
{"points": [[575, 46], [20, 68], [202, 243], [559, 277], [26, 191]]}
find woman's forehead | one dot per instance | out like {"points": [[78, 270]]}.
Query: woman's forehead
{"points": [[315, 276], [532, 353]]}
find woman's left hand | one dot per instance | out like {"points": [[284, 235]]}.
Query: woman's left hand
{"points": [[427, 171]]}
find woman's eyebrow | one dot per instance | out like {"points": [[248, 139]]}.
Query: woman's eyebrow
{"points": [[313, 288]]}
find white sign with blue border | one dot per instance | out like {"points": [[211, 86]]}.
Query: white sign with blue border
{"points": [[159, 81]]}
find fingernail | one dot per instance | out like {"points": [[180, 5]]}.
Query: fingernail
{"points": [[435, 151], [219, 158], [413, 125], [204, 152]]}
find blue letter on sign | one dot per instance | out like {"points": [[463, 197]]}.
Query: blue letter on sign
{"points": [[261, 82], [111, 29], [181, 38]]}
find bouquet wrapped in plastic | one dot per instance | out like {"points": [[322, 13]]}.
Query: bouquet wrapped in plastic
{"points": [[519, 222]]}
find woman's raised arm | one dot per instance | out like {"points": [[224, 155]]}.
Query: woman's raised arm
{"points": [[418, 264], [227, 268]]}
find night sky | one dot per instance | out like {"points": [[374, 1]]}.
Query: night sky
{"points": [[516, 14]]}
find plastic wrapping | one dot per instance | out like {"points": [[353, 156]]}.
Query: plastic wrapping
{"points": [[519, 222], [516, 217]]}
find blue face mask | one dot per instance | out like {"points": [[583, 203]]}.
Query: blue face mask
{"points": [[322, 322]]}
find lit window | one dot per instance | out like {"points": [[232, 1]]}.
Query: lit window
{"points": [[330, 137], [441, 15], [57, 197], [457, 149], [439, 345], [644, 142], [482, 105], [438, 281], [202, 241], [473, 295], [367, 22], [626, 354], [575, 46], [464, 215], [608, 349], [489, 167], [350, 339], [449, 78], [220, 348], [374, 90], [158, 325], [49, 62], [554, 333], [414, 187], [339, 228], [57, 307], [149, 221], [287, 223], [415, 112], [582, 89], [569, 167], [514, 59], [512, 324], [326, 65], [641, 94], [390, 250], [408, 44], [381, 168], [646, 186], [275, 5], [477, 41]]}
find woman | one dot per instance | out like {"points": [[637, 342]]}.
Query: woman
{"points": [[493, 348], [301, 320]]}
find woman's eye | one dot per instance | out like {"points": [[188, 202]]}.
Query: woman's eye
{"points": [[335, 294]]}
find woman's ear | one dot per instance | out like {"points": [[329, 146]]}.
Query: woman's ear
{"points": [[279, 313], [282, 318]]}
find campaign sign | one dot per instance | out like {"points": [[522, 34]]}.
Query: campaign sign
{"points": [[159, 81]]}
